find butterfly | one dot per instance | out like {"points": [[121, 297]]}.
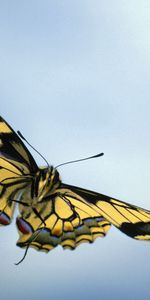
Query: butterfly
{"points": [[53, 213]]}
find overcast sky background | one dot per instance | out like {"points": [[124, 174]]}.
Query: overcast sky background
{"points": [[75, 80]]}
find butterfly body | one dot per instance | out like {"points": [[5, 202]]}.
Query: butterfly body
{"points": [[44, 182], [51, 212]]}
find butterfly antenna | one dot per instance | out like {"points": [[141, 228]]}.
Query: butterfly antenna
{"points": [[74, 161], [20, 134]]}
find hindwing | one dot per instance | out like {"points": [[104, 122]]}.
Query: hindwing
{"points": [[68, 220], [77, 215]]}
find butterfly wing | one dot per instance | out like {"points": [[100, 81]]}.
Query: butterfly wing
{"points": [[16, 163], [68, 220], [13, 150], [130, 219], [76, 215]]}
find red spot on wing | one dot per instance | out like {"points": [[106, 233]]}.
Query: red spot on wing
{"points": [[24, 226], [4, 219]]}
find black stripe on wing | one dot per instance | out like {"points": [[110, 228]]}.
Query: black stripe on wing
{"points": [[12, 148], [89, 196], [130, 219]]}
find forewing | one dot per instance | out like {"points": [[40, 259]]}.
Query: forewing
{"points": [[15, 164], [130, 219], [13, 150], [11, 184]]}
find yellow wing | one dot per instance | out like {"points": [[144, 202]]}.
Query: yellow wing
{"points": [[76, 215], [16, 163], [66, 216], [65, 219], [130, 219], [13, 150]]}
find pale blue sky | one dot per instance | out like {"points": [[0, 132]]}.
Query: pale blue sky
{"points": [[74, 79]]}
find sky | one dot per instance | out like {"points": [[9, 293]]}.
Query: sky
{"points": [[74, 79]]}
